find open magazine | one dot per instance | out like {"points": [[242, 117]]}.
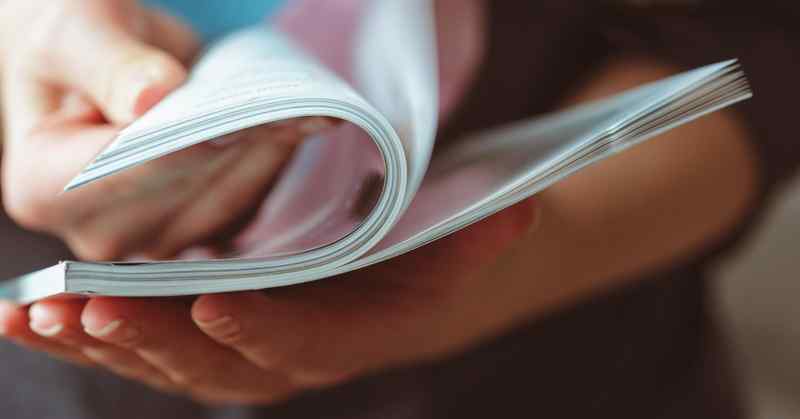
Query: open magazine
{"points": [[368, 189]]}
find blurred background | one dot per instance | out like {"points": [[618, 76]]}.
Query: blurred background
{"points": [[759, 292]]}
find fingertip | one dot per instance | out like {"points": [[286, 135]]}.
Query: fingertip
{"points": [[210, 308], [106, 319], [160, 76], [99, 313], [143, 84], [14, 325], [44, 321], [6, 306], [49, 317], [8, 313], [13, 320], [148, 98]]}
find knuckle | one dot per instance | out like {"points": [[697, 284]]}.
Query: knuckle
{"points": [[89, 247], [23, 208], [45, 28]]}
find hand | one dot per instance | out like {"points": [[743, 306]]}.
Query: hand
{"points": [[76, 71], [262, 347]]}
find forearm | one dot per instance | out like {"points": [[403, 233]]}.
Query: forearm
{"points": [[651, 206]]}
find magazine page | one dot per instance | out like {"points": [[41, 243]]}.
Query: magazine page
{"points": [[323, 195], [345, 187], [396, 70]]}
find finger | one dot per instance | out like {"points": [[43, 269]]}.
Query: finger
{"points": [[14, 323], [59, 320], [25, 103], [32, 186], [474, 246], [234, 191], [78, 136], [162, 333], [170, 34], [324, 332], [94, 47], [56, 320], [28, 100], [153, 194], [220, 206], [265, 331]]}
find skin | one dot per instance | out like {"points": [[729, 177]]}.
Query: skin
{"points": [[64, 104], [652, 206]]}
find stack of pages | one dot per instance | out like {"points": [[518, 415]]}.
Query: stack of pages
{"points": [[369, 189]]}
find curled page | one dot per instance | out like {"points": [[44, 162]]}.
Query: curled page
{"points": [[367, 190], [312, 212], [345, 188], [396, 70]]}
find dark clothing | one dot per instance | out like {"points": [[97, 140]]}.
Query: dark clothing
{"points": [[648, 350]]}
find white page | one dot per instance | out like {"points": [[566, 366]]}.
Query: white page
{"points": [[258, 64], [259, 76], [397, 71], [233, 87], [495, 169]]}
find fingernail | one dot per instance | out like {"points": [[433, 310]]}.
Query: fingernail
{"points": [[105, 330], [114, 327], [221, 327], [47, 331], [41, 323]]}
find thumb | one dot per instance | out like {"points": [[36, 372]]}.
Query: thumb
{"points": [[102, 51]]}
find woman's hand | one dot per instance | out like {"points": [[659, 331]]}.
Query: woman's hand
{"points": [[600, 227], [261, 347], [74, 72]]}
